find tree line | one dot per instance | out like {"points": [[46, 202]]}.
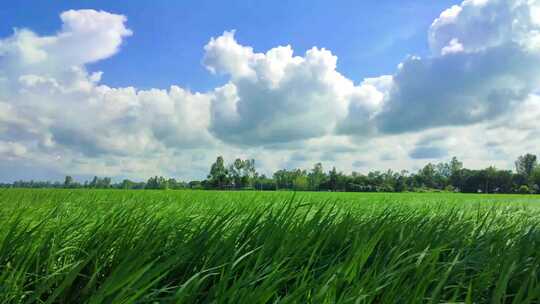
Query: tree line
{"points": [[242, 175]]}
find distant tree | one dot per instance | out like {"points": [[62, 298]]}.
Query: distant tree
{"points": [[127, 184], [157, 182], [262, 182], [316, 177], [242, 173], [401, 182], [249, 172], [219, 175], [235, 172], [489, 175], [333, 179], [301, 183], [455, 165], [106, 182], [456, 173], [94, 182], [195, 185], [287, 179], [518, 180], [535, 179], [427, 176], [524, 189], [500, 181], [283, 179], [68, 182], [526, 164], [175, 184], [100, 183]]}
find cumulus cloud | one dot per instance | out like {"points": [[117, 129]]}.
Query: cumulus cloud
{"points": [[51, 105], [364, 105], [277, 97], [478, 25], [86, 36], [485, 61]]}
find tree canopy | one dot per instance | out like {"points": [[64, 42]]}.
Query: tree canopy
{"points": [[241, 174]]}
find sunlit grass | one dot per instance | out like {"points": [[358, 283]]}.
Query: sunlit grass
{"points": [[246, 247]]}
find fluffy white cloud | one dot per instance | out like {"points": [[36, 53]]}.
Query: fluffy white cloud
{"points": [[52, 109], [478, 25], [485, 62], [86, 36], [365, 103], [277, 97]]}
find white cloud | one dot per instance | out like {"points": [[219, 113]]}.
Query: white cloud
{"points": [[454, 46], [52, 109], [12, 150], [484, 63], [86, 36], [365, 103], [480, 25], [275, 96], [96, 119]]}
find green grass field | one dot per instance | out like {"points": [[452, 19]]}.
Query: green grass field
{"points": [[99, 246]]}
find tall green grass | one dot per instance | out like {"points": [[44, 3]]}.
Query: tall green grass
{"points": [[227, 247]]}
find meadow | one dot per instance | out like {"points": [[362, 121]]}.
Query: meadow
{"points": [[113, 246]]}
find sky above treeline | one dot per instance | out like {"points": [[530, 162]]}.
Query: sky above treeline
{"points": [[136, 89]]}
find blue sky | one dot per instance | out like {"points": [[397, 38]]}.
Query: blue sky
{"points": [[168, 40], [142, 88]]}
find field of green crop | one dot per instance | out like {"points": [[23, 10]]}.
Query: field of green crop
{"points": [[100, 246]]}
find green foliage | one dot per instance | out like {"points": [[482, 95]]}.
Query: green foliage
{"points": [[68, 182], [219, 175], [242, 175], [301, 183], [523, 189], [157, 182], [316, 177], [87, 246], [526, 164]]}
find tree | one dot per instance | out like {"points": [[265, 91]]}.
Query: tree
{"points": [[157, 182], [100, 183], [455, 165], [249, 172], [300, 183], [105, 182], [456, 173], [242, 172], [127, 184], [288, 179], [283, 179], [68, 182], [94, 182], [523, 189], [427, 176], [535, 179], [526, 164], [316, 177], [401, 181], [489, 175], [333, 179], [219, 175], [263, 183], [235, 172]]}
